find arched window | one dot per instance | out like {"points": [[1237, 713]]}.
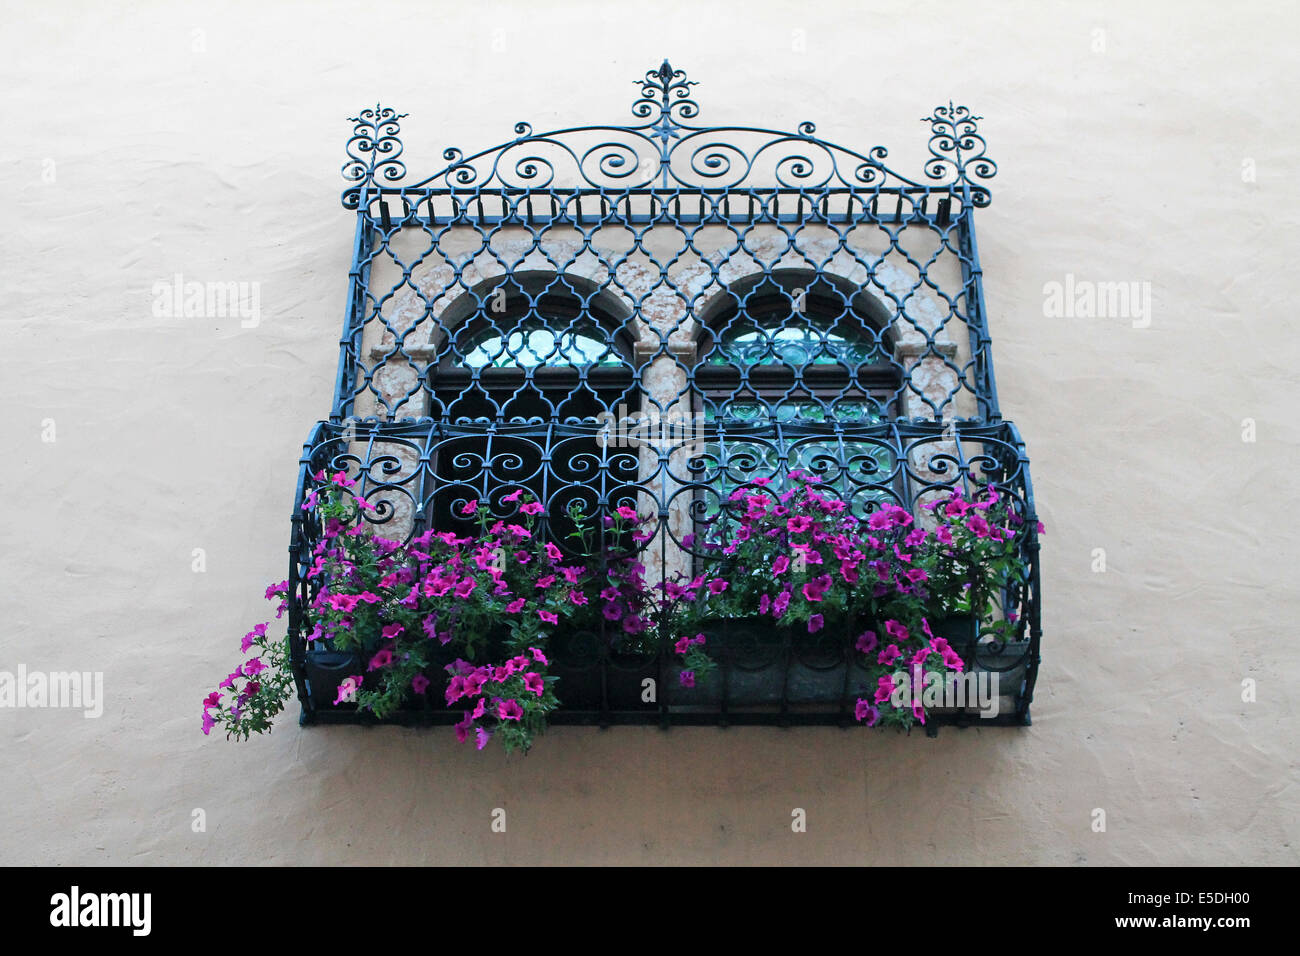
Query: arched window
{"points": [[528, 369], [533, 346], [812, 355]]}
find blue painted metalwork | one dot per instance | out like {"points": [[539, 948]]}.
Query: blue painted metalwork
{"points": [[798, 303]]}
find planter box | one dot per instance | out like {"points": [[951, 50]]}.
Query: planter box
{"points": [[761, 665], [594, 678]]}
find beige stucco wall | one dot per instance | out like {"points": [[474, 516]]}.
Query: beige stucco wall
{"points": [[1157, 150]]}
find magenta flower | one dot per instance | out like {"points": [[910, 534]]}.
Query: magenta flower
{"points": [[865, 710], [509, 710], [514, 495], [455, 689], [463, 728], [895, 630], [889, 655], [867, 642], [884, 688], [717, 586], [816, 589], [549, 617], [538, 655], [253, 667], [623, 511], [466, 587], [532, 508], [781, 565], [212, 700], [381, 659], [553, 552], [815, 623], [781, 603], [208, 722], [514, 607], [683, 645], [469, 507], [348, 688], [687, 678], [798, 523], [393, 631], [764, 604], [483, 737], [533, 681]]}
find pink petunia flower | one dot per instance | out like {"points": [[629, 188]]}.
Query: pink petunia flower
{"points": [[884, 688], [538, 655], [419, 683], [348, 688], [533, 681]]}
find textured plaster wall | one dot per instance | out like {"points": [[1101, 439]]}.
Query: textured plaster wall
{"points": [[1145, 142]]}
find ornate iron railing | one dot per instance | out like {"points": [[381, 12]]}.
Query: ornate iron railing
{"points": [[654, 314]]}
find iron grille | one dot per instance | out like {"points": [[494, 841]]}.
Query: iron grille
{"points": [[654, 314]]}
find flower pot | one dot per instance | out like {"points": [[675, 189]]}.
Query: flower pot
{"points": [[326, 670]]}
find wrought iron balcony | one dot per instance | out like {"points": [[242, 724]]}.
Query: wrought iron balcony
{"points": [[655, 314]]}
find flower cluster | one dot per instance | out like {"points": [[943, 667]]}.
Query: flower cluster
{"points": [[800, 559], [464, 620], [251, 695], [464, 617]]}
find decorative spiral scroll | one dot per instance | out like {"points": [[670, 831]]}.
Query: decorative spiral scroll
{"points": [[956, 147], [374, 151], [664, 149]]}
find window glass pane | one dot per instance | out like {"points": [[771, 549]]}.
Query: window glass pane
{"points": [[532, 346], [793, 344]]}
